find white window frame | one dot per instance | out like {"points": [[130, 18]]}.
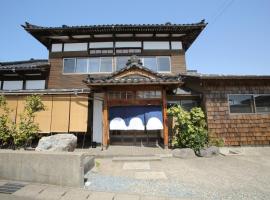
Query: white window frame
{"points": [[165, 72], [57, 47], [154, 48], [88, 59], [77, 48]]}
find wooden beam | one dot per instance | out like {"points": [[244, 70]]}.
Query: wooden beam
{"points": [[165, 119], [105, 134]]}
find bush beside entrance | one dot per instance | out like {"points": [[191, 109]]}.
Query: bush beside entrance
{"points": [[190, 128]]}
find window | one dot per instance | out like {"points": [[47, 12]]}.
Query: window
{"points": [[56, 47], [128, 51], [13, 85], [105, 64], [81, 65], [124, 95], [156, 45], [69, 65], [87, 65], [241, 103], [121, 62], [127, 44], [187, 104], [153, 94], [157, 64], [163, 64], [101, 45], [35, 84], [176, 45], [75, 47], [262, 103], [150, 63], [94, 65]]}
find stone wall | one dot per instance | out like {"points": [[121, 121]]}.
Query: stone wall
{"points": [[235, 129]]}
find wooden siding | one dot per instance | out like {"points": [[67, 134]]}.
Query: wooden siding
{"points": [[58, 80], [236, 129], [178, 64]]}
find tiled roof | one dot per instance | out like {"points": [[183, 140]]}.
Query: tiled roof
{"points": [[116, 27], [24, 65], [223, 77], [187, 32]]}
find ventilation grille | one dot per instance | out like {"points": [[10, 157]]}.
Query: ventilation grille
{"points": [[10, 188]]}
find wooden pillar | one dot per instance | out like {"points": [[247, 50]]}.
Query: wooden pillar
{"points": [[105, 134], [165, 119]]}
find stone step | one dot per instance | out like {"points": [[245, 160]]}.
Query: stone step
{"points": [[136, 158]]}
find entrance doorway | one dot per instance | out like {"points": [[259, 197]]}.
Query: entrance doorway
{"points": [[135, 125], [135, 138]]}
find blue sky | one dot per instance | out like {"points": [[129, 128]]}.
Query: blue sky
{"points": [[236, 40]]}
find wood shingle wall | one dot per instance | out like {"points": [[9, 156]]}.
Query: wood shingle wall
{"points": [[236, 129]]}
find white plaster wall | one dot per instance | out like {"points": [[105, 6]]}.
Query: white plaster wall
{"points": [[97, 117]]}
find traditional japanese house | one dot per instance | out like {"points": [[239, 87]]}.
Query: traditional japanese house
{"points": [[113, 85]]}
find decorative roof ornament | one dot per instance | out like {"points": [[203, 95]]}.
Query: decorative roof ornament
{"points": [[134, 60]]}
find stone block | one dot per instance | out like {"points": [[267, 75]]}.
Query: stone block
{"points": [[183, 153]]}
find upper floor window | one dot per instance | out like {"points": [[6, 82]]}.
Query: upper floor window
{"points": [[100, 45], [121, 62], [249, 103], [157, 64], [109, 64], [152, 45], [56, 47], [75, 47], [88, 65], [118, 47]]}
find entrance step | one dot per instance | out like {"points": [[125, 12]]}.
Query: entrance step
{"points": [[136, 158]]}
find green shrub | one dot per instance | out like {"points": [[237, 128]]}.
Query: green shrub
{"points": [[190, 129], [7, 126], [219, 142], [22, 133]]}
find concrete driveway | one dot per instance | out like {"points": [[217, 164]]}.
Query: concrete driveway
{"points": [[244, 176]]}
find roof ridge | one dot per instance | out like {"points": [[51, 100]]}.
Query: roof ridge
{"points": [[167, 24], [23, 61]]}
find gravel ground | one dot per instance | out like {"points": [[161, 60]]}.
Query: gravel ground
{"points": [[231, 177]]}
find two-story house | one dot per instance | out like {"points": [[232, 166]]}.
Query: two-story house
{"points": [[114, 83]]}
